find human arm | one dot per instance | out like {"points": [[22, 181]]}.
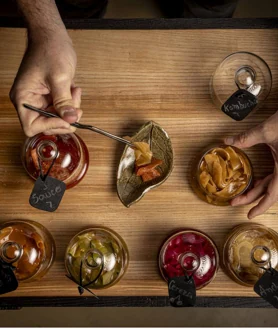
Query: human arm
{"points": [[45, 77], [266, 188]]}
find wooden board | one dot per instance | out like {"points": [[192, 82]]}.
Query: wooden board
{"points": [[128, 78]]}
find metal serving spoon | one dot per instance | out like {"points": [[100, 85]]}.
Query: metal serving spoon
{"points": [[81, 126]]}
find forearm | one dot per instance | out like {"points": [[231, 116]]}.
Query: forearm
{"points": [[42, 17]]}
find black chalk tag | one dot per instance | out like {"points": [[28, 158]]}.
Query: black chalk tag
{"points": [[182, 291], [267, 287], [8, 281], [240, 104], [47, 194]]}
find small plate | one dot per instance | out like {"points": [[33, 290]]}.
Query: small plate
{"points": [[130, 187]]}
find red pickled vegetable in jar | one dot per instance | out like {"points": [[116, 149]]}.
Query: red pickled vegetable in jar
{"points": [[189, 252]]}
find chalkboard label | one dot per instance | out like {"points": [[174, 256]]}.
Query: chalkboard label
{"points": [[47, 194], [267, 287], [182, 291], [8, 281], [239, 105]]}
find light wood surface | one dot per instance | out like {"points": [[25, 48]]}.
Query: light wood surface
{"points": [[128, 78]]}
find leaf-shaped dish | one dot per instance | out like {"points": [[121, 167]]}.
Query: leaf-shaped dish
{"points": [[130, 187]]}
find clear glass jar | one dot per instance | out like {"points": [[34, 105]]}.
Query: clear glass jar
{"points": [[247, 248], [220, 173], [69, 153], [29, 247], [240, 70], [189, 252], [100, 255]]}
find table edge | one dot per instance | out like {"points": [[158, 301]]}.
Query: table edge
{"points": [[157, 23], [9, 303]]}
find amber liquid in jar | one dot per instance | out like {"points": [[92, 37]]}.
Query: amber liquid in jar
{"points": [[29, 247], [69, 153], [189, 252], [221, 173], [247, 249]]}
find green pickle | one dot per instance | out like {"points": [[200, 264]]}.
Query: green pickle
{"points": [[100, 255]]}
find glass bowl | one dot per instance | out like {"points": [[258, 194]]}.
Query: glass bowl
{"points": [[220, 173]]}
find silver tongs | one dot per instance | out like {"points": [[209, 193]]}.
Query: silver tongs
{"points": [[81, 126]]}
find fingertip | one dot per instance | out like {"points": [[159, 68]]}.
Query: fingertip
{"points": [[254, 212], [229, 140], [79, 114], [69, 114], [234, 202], [250, 215], [76, 97], [78, 90]]}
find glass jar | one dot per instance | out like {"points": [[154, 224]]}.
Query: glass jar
{"points": [[189, 252], [240, 71], [68, 153], [96, 257], [29, 247], [248, 248], [220, 173]]}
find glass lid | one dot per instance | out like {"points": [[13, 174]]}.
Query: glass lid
{"points": [[96, 258], [23, 247], [241, 70], [68, 154], [248, 248], [189, 252]]}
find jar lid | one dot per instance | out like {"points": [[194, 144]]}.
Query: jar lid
{"points": [[96, 258], [189, 252], [68, 154], [248, 248], [23, 247]]}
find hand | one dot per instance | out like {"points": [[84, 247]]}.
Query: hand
{"points": [[267, 133], [45, 80]]}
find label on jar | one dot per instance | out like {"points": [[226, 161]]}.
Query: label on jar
{"points": [[47, 194], [267, 287], [240, 104], [182, 291], [8, 281]]}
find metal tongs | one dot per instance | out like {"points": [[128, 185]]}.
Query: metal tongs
{"points": [[81, 126]]}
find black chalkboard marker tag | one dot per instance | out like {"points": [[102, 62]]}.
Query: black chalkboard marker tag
{"points": [[47, 194], [267, 286], [48, 191], [182, 291], [8, 281], [240, 104]]}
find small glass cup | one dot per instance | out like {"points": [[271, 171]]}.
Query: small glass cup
{"points": [[68, 153], [247, 249], [241, 70], [189, 252], [29, 247], [97, 257], [222, 196]]}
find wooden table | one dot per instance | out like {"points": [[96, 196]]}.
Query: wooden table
{"points": [[129, 77]]}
